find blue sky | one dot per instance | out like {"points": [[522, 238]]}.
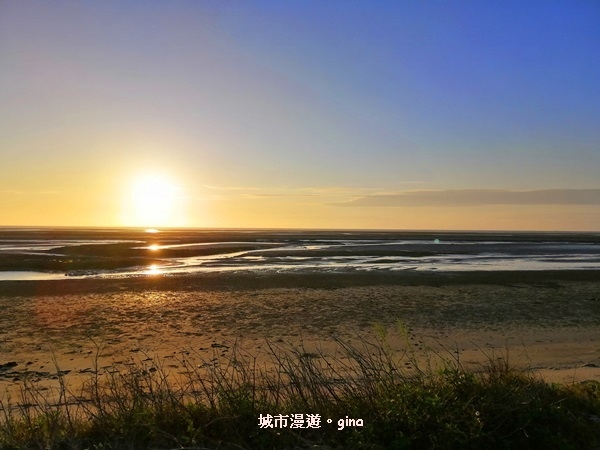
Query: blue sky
{"points": [[275, 113]]}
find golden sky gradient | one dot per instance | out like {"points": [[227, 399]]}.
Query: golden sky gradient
{"points": [[300, 115]]}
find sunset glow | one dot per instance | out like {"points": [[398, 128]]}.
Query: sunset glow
{"points": [[400, 115], [154, 200]]}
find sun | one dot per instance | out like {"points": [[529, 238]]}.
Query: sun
{"points": [[154, 200]]}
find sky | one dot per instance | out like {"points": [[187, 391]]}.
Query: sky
{"points": [[464, 115]]}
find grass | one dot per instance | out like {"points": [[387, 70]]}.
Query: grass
{"points": [[216, 404]]}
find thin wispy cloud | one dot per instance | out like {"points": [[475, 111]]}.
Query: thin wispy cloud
{"points": [[311, 191], [231, 188], [266, 195], [307, 191], [480, 197]]}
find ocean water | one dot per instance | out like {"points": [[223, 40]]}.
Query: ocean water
{"points": [[45, 253]]}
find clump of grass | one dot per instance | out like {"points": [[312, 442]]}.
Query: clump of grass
{"points": [[217, 403]]}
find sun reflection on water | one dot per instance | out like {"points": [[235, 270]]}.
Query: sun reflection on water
{"points": [[154, 269]]}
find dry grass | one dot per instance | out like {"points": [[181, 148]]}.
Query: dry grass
{"points": [[216, 403]]}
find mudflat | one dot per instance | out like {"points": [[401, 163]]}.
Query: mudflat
{"points": [[548, 322]]}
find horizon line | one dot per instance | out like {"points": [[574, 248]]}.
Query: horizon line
{"points": [[275, 229]]}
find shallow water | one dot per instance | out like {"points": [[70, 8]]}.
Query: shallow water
{"points": [[87, 253], [28, 275]]}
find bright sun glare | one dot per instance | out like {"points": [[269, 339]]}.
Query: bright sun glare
{"points": [[154, 202]]}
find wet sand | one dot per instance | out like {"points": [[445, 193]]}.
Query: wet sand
{"points": [[545, 321]]}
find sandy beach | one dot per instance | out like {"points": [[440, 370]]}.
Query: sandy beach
{"points": [[546, 322]]}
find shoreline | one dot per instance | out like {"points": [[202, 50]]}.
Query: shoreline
{"points": [[229, 280]]}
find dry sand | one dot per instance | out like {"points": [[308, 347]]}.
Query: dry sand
{"points": [[545, 322]]}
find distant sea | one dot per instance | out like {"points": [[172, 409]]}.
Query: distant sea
{"points": [[56, 253]]}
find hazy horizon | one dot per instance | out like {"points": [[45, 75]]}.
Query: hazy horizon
{"points": [[401, 116], [432, 231]]}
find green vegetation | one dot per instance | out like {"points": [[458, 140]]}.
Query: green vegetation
{"points": [[216, 404]]}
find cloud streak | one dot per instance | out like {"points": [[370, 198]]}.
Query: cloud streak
{"points": [[308, 191], [480, 197]]}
